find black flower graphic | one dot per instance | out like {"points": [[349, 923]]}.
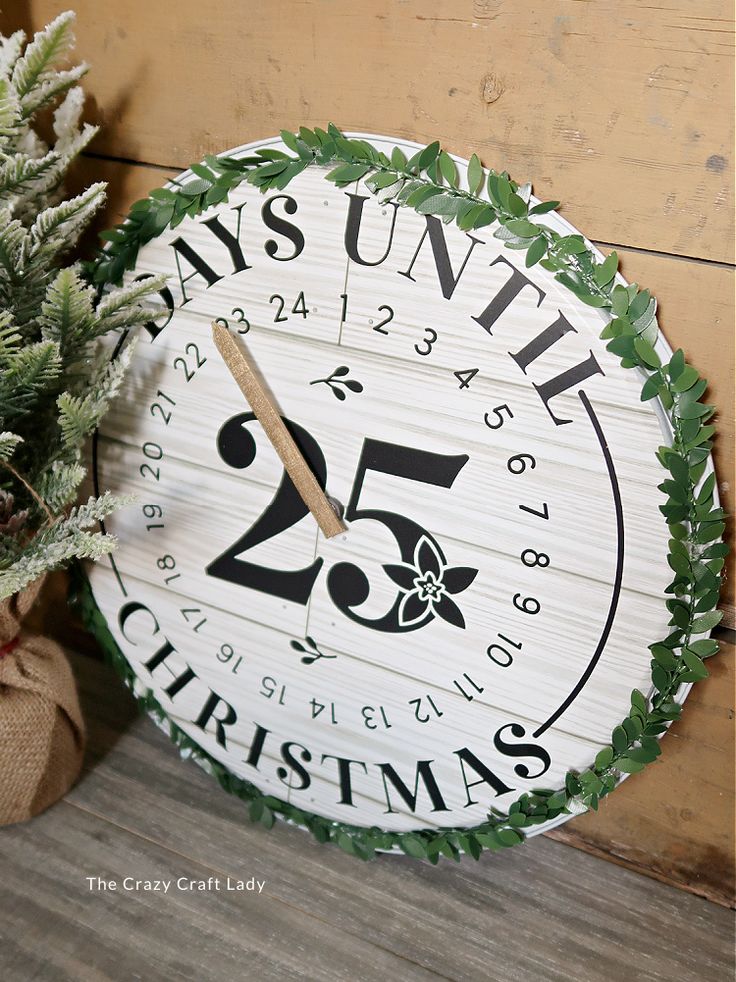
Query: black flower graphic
{"points": [[428, 583]]}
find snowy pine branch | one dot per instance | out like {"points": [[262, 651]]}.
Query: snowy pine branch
{"points": [[54, 387]]}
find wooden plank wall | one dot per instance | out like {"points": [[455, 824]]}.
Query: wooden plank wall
{"points": [[621, 110]]}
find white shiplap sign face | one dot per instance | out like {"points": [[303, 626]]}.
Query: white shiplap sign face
{"points": [[478, 629]]}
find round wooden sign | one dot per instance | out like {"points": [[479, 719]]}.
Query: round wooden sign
{"points": [[446, 673]]}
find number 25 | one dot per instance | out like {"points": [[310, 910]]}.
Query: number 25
{"points": [[347, 584]]}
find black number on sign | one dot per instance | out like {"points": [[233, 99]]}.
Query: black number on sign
{"points": [[239, 314], [499, 410], [518, 463], [344, 309], [269, 688], [166, 563], [530, 557], [423, 579], [369, 712], [193, 611], [466, 377], [225, 654], [529, 605], [163, 412], [153, 511], [154, 452], [318, 707], [348, 585], [424, 717], [429, 340], [386, 320], [461, 689], [181, 362], [505, 658], [532, 511], [237, 448], [300, 306], [278, 318]]}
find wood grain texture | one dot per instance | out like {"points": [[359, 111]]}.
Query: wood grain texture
{"points": [[206, 499], [621, 110], [539, 911], [646, 88]]}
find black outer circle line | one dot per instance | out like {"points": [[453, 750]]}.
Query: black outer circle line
{"points": [[603, 640]]}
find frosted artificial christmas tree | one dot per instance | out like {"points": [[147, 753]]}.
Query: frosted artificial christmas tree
{"points": [[55, 385]]}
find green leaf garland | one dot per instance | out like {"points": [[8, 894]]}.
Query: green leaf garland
{"points": [[428, 182]]}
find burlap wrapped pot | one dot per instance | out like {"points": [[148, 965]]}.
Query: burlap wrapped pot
{"points": [[41, 729]]}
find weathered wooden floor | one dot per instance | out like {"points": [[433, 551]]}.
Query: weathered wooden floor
{"points": [[542, 911]]}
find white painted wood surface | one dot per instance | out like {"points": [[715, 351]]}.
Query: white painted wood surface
{"points": [[415, 401]]}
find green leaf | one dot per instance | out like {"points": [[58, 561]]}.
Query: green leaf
{"points": [[619, 739], [203, 172], [448, 168], [707, 622], [269, 154], [485, 216], [383, 180], [694, 663], [308, 137], [704, 648], [660, 678], [543, 207], [504, 190], [706, 491], [516, 205], [629, 766], [647, 353], [603, 758], [488, 839], [535, 251], [694, 410], [639, 304], [468, 218], [523, 228], [571, 245], [398, 158], [422, 193], [428, 155], [651, 387], [619, 300], [638, 701], [607, 270], [686, 378], [413, 846], [633, 727], [623, 346], [509, 837], [475, 174], [593, 300], [345, 842], [438, 204], [347, 173], [676, 365]]}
